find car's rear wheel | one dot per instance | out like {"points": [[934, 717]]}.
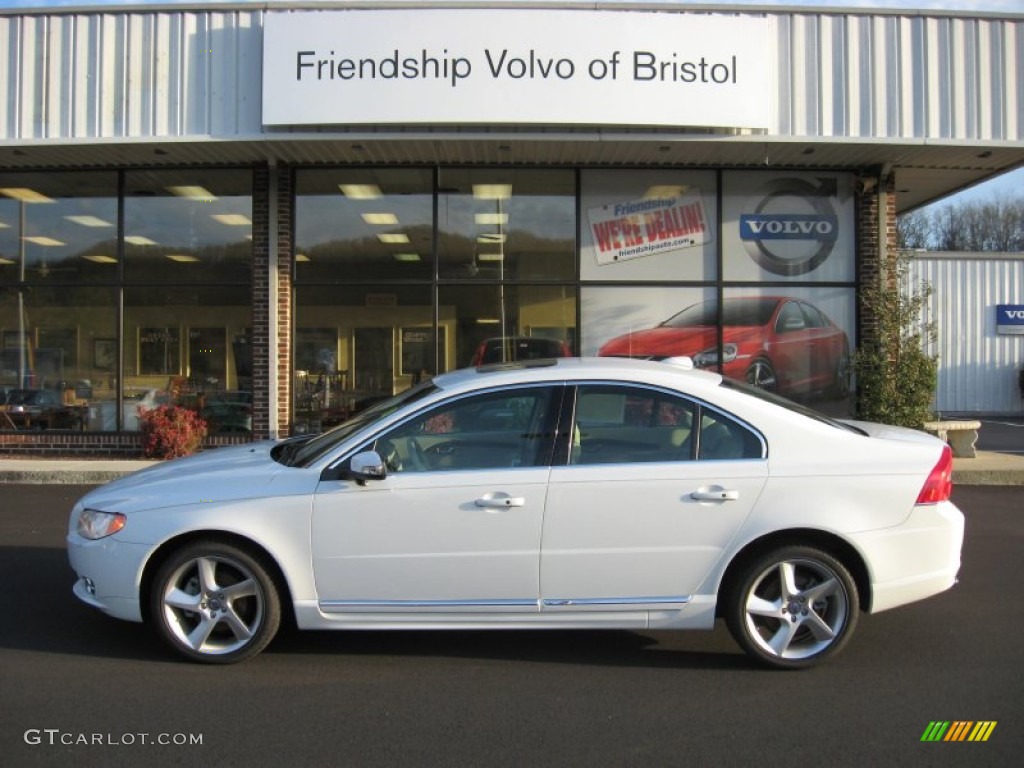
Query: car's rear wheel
{"points": [[841, 383], [215, 602], [792, 607], [762, 375]]}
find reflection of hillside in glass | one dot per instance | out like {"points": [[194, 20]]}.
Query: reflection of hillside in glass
{"points": [[97, 263], [526, 256]]}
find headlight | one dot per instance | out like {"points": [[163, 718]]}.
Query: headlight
{"points": [[709, 357], [93, 524]]}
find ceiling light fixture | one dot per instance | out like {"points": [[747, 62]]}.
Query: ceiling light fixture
{"points": [[393, 239], [380, 219], [360, 191], [26, 195], [232, 219], [99, 258], [492, 219], [139, 240], [181, 258], [492, 191], [193, 192], [89, 221], [43, 240]]}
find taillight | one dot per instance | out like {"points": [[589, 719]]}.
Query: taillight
{"points": [[939, 484]]}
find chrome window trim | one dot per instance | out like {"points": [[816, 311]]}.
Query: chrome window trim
{"points": [[340, 606]]}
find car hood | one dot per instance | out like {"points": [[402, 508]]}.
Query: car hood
{"points": [[662, 341], [222, 474]]}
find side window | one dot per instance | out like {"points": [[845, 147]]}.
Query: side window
{"points": [[723, 438], [790, 319], [618, 424], [489, 431], [814, 318]]}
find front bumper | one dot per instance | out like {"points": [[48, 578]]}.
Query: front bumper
{"points": [[109, 574], [916, 559]]}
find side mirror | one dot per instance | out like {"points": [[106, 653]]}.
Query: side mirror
{"points": [[367, 465]]}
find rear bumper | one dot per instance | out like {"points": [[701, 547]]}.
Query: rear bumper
{"points": [[914, 560]]}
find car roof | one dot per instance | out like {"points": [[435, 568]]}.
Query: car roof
{"points": [[666, 373]]}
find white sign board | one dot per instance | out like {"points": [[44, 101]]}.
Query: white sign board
{"points": [[502, 66]]}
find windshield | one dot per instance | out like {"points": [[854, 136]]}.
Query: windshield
{"points": [[304, 453], [735, 312], [789, 405]]}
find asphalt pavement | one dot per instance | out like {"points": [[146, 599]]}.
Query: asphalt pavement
{"points": [[83, 689]]}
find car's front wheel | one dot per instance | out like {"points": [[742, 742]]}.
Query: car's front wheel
{"points": [[792, 607], [761, 374], [215, 602]]}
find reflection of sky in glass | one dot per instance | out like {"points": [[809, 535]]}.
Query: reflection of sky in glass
{"points": [[78, 226], [325, 218], [50, 221], [184, 223]]}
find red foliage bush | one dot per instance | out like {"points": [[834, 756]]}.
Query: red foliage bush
{"points": [[170, 431]]}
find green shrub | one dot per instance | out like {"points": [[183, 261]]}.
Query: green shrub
{"points": [[896, 373]]}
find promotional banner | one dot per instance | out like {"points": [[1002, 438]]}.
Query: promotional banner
{"points": [[648, 225], [638, 228], [493, 66]]}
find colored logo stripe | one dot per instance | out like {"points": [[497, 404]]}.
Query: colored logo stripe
{"points": [[958, 730]]}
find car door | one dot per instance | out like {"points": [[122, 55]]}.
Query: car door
{"points": [[456, 524], [793, 349], [653, 488]]}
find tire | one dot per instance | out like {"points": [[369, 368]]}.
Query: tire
{"points": [[215, 602], [761, 374], [793, 607]]}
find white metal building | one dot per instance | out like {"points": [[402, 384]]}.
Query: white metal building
{"points": [[979, 367]]}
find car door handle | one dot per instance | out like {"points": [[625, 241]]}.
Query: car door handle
{"points": [[718, 494], [500, 501]]}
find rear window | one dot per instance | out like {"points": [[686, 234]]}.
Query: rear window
{"points": [[789, 405]]}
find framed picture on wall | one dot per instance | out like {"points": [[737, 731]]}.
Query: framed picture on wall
{"points": [[104, 354], [417, 350]]}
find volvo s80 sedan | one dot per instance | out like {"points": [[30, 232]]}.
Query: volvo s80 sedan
{"points": [[570, 493]]}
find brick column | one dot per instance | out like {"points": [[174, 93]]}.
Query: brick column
{"points": [[284, 309], [260, 304], [876, 239]]}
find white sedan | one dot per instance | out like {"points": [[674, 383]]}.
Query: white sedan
{"points": [[542, 494]]}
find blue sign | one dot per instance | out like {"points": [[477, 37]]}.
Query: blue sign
{"points": [[1010, 318]]}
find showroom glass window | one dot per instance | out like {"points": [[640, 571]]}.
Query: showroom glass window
{"points": [[58, 269], [387, 294], [364, 265], [180, 268], [187, 305]]}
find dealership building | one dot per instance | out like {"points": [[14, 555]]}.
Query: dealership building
{"points": [[279, 212]]}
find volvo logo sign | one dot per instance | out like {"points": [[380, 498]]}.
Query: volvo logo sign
{"points": [[791, 227]]}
